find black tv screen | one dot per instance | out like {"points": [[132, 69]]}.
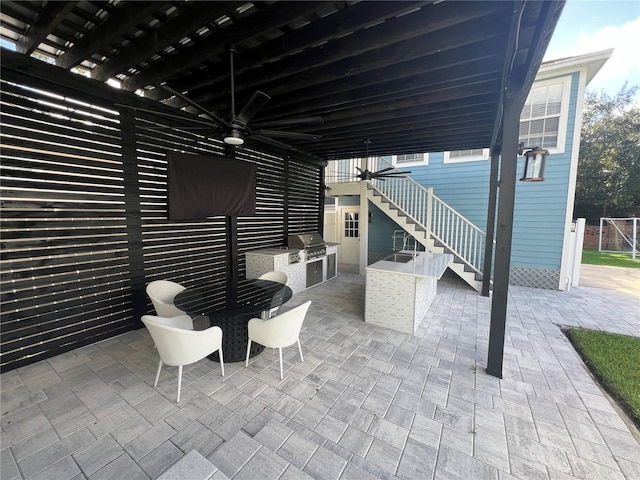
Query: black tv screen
{"points": [[203, 186]]}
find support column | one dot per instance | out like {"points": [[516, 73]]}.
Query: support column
{"points": [[134, 221], [231, 226], [363, 227], [506, 200]]}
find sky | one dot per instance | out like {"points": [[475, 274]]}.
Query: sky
{"points": [[588, 26]]}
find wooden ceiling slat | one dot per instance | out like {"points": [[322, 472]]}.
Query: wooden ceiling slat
{"points": [[344, 60], [378, 47], [463, 62], [388, 93], [272, 17], [52, 14], [357, 17], [192, 18], [121, 20]]}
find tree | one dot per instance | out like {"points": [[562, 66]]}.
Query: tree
{"points": [[608, 182]]}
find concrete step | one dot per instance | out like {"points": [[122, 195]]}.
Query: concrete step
{"points": [[314, 455], [193, 466], [243, 457]]}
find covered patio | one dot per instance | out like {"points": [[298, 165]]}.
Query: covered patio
{"points": [[85, 227], [85, 185], [367, 403]]}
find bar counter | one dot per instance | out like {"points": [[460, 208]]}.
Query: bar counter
{"points": [[401, 288]]}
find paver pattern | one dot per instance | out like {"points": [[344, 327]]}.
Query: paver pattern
{"points": [[367, 403]]}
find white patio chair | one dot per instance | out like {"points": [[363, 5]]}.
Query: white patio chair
{"points": [[178, 346], [279, 277], [276, 276], [278, 332], [162, 293]]}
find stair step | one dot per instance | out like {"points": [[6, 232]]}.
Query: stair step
{"points": [[243, 455], [193, 466], [313, 454]]}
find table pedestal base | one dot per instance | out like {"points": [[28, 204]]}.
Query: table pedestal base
{"points": [[234, 338]]}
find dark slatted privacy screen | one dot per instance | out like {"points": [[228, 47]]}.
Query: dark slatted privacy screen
{"points": [[187, 252], [304, 198], [84, 216], [65, 265]]}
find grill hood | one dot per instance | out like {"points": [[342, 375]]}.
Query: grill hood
{"points": [[305, 240]]}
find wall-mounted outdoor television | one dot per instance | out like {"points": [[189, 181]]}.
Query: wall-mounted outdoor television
{"points": [[201, 186]]}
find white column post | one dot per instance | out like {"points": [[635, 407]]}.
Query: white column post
{"points": [[600, 236], [635, 226]]}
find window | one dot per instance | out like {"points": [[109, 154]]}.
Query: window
{"points": [[466, 155], [410, 159], [351, 220], [543, 121]]}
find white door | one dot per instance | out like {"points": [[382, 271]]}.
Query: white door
{"points": [[350, 236]]}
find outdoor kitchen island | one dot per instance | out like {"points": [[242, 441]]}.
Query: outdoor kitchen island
{"points": [[400, 289], [307, 260]]}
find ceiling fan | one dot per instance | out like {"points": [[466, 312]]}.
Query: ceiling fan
{"points": [[238, 127], [383, 174]]}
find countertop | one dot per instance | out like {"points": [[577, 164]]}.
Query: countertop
{"points": [[282, 251], [425, 264], [274, 251]]}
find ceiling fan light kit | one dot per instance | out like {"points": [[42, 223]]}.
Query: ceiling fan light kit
{"points": [[234, 137]]}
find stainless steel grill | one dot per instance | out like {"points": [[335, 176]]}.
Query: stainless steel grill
{"points": [[311, 243]]}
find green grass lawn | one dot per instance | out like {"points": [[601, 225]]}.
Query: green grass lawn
{"points": [[611, 259], [614, 359]]}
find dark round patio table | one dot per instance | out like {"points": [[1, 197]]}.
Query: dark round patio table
{"points": [[231, 311]]}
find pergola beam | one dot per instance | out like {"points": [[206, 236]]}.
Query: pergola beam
{"points": [[47, 21]]}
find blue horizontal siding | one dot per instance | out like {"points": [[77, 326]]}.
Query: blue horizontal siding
{"points": [[539, 210], [381, 229]]}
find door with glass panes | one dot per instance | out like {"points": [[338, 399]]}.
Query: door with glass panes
{"points": [[350, 236]]}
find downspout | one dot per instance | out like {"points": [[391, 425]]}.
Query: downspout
{"points": [[491, 222], [363, 221]]}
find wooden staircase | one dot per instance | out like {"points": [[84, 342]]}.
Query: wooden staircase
{"points": [[434, 224]]}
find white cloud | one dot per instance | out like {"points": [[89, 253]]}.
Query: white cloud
{"points": [[624, 64]]}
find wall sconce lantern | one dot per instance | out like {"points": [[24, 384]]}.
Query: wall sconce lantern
{"points": [[534, 161]]}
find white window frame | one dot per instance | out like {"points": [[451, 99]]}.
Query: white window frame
{"points": [[564, 111], [468, 158], [419, 163]]}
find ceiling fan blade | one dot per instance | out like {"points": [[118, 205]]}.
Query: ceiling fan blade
{"points": [[292, 135], [384, 170], [270, 141], [290, 122], [181, 117], [210, 114], [389, 174], [181, 127], [253, 106]]}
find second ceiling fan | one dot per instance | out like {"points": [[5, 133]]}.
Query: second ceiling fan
{"points": [[388, 172], [238, 127]]}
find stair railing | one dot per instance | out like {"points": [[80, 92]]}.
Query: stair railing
{"points": [[444, 224]]}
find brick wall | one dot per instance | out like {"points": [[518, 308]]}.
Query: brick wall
{"points": [[611, 239]]}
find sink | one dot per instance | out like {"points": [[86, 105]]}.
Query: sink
{"points": [[399, 258]]}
